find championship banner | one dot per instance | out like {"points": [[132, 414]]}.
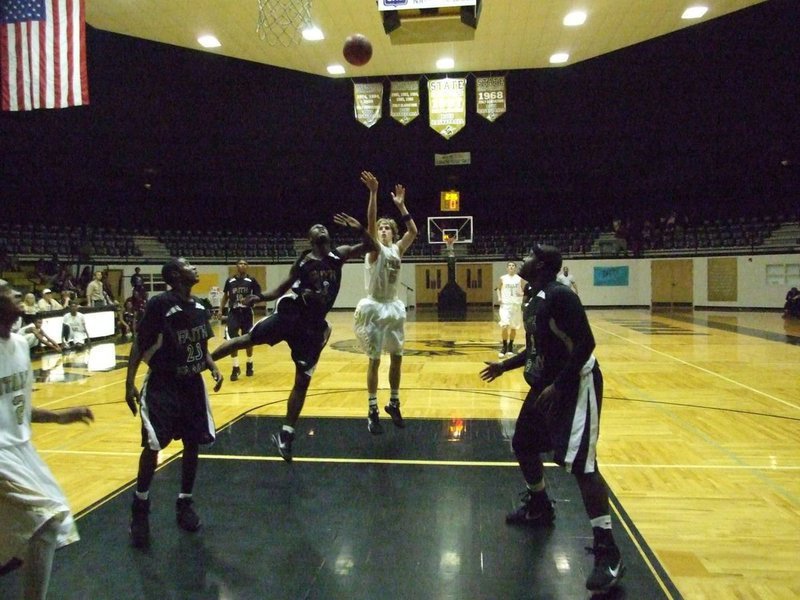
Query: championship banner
{"points": [[447, 105], [490, 97], [368, 102], [454, 158], [404, 101]]}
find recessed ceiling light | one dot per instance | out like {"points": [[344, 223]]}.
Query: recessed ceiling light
{"points": [[445, 63], [208, 41], [575, 18], [313, 34], [694, 12], [336, 69], [559, 57]]}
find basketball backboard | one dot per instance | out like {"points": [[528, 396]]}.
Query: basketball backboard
{"points": [[440, 228]]}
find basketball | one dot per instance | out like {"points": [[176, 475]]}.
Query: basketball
{"points": [[357, 49]]}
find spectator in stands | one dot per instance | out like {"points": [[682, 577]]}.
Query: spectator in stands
{"points": [[67, 297], [37, 338], [29, 305], [47, 302], [107, 288], [84, 279], [95, 294], [64, 281], [620, 228], [137, 281], [791, 309], [75, 324]]}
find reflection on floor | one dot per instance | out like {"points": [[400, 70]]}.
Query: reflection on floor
{"points": [[414, 513]]}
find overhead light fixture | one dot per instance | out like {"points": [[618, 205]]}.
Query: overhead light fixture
{"points": [[694, 12], [336, 69], [445, 63], [575, 18], [559, 58], [208, 41], [313, 34]]}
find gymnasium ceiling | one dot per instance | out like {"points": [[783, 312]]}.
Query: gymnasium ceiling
{"points": [[511, 34]]}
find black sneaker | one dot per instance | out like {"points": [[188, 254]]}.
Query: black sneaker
{"points": [[393, 410], [235, 373], [374, 421], [531, 512], [184, 513], [608, 568], [283, 442], [249, 369], [140, 524]]}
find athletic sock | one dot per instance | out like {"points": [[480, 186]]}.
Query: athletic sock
{"points": [[394, 397], [142, 495], [235, 362], [288, 429], [181, 496], [373, 402]]}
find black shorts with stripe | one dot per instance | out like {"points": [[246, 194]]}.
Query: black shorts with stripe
{"points": [[175, 408], [306, 338], [240, 321]]}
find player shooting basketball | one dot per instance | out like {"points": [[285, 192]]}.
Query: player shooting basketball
{"points": [[304, 298]]}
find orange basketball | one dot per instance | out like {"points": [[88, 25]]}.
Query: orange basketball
{"points": [[357, 49]]}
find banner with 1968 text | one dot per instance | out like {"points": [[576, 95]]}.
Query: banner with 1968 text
{"points": [[490, 98]]}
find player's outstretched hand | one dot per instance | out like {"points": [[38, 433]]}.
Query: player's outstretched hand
{"points": [[369, 180], [251, 300], [218, 378], [75, 414], [399, 195], [346, 220], [132, 398], [491, 371]]}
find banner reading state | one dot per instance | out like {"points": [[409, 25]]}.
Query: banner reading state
{"points": [[490, 97], [404, 101], [368, 102], [447, 105]]}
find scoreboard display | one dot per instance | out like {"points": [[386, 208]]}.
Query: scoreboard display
{"points": [[450, 201]]}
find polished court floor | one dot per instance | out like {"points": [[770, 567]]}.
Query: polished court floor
{"points": [[699, 444]]}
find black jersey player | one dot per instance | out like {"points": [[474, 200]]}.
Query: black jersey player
{"points": [[304, 298], [240, 316], [561, 413], [172, 338]]}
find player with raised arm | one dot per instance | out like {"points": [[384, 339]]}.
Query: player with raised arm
{"points": [[304, 298], [379, 319]]}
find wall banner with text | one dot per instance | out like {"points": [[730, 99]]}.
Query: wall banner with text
{"points": [[447, 105], [404, 101], [368, 102], [490, 95]]}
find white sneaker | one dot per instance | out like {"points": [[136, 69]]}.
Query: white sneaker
{"points": [[501, 354]]}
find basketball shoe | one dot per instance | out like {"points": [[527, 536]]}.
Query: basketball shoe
{"points": [[283, 442], [393, 410], [235, 373], [249, 370], [374, 421], [608, 568], [535, 510], [185, 515], [140, 524]]}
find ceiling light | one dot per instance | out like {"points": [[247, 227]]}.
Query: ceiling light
{"points": [[336, 69], [313, 34], [445, 63], [694, 12], [559, 57], [575, 18], [208, 41]]}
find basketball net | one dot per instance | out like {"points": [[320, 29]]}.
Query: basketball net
{"points": [[281, 22], [449, 242]]}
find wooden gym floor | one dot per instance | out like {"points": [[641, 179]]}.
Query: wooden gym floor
{"points": [[700, 445]]}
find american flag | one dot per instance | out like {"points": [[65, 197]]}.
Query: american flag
{"points": [[42, 54]]}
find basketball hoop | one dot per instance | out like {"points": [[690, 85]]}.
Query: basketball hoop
{"points": [[281, 22], [449, 243]]}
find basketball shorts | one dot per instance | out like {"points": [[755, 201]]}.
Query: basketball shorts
{"points": [[380, 326], [570, 428], [175, 408], [306, 338], [240, 321], [511, 315], [29, 498]]}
